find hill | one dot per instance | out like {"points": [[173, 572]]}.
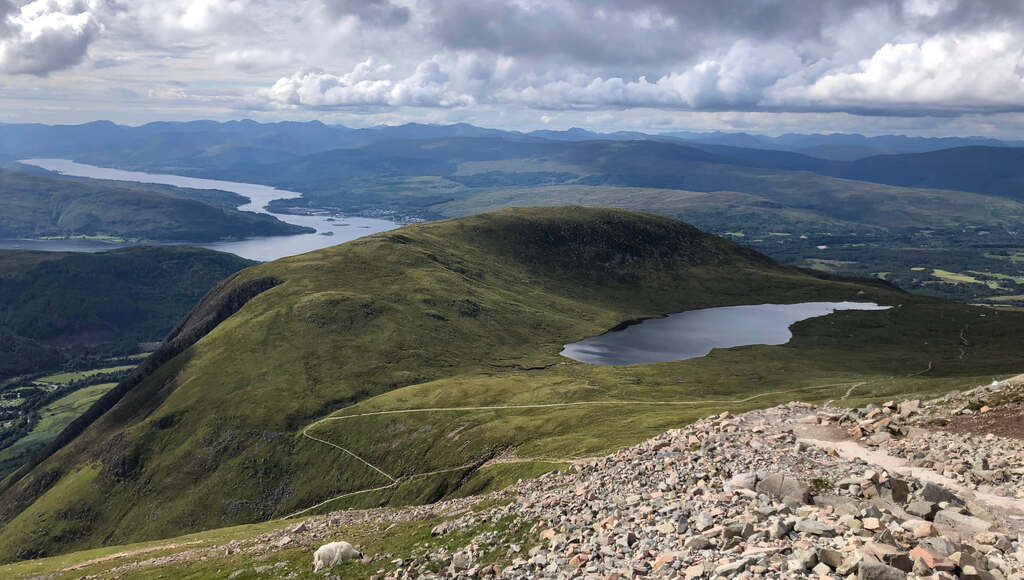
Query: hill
{"points": [[995, 171], [777, 202], [939, 222], [465, 317], [56, 308], [36, 206]]}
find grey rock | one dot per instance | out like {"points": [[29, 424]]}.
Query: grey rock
{"points": [[900, 490], [703, 521], [941, 545], [877, 571], [696, 543], [938, 494], [814, 527], [968, 525], [733, 568], [923, 509], [802, 560], [841, 504], [832, 558]]}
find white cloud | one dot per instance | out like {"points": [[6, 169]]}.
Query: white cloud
{"points": [[47, 35], [496, 60], [253, 58], [192, 16], [366, 85], [973, 72]]}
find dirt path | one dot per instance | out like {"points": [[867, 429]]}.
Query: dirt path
{"points": [[1009, 511], [125, 555], [396, 481]]}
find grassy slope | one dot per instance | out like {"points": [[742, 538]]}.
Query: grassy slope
{"points": [[39, 205], [293, 561], [53, 418], [457, 313], [60, 306]]}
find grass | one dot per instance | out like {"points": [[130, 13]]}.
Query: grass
{"points": [[954, 277], [999, 276], [401, 539], [70, 377], [464, 313], [53, 418]]}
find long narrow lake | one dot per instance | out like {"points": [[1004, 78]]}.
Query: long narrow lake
{"points": [[330, 231], [694, 333]]}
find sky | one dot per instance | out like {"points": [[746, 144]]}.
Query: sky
{"points": [[917, 67]]}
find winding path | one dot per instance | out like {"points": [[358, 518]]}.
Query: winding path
{"points": [[396, 481]]}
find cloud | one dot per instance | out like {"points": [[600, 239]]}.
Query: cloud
{"points": [[197, 16], [944, 73], [253, 58], [366, 85], [46, 35], [941, 75], [526, 59], [382, 13]]}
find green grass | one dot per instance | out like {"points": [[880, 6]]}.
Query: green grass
{"points": [[69, 377], [954, 277], [53, 418], [402, 539], [999, 276], [471, 312]]}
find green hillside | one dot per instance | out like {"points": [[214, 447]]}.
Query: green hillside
{"points": [[56, 308], [231, 421], [39, 206], [53, 418], [772, 201]]}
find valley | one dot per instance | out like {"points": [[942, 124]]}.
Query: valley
{"points": [[444, 337], [939, 205]]}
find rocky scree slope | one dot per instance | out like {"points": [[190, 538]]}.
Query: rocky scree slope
{"points": [[727, 497]]}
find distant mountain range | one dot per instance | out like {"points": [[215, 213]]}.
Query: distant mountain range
{"points": [[959, 200], [293, 139]]}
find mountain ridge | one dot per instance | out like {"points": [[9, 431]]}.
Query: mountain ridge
{"points": [[473, 310]]}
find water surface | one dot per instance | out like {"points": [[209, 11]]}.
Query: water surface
{"points": [[337, 230], [694, 333]]}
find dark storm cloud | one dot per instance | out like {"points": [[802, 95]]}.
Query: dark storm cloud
{"points": [[376, 12]]}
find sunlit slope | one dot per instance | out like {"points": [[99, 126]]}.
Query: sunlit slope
{"points": [[474, 311]]}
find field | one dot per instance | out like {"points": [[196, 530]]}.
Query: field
{"points": [[52, 420], [70, 377]]}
